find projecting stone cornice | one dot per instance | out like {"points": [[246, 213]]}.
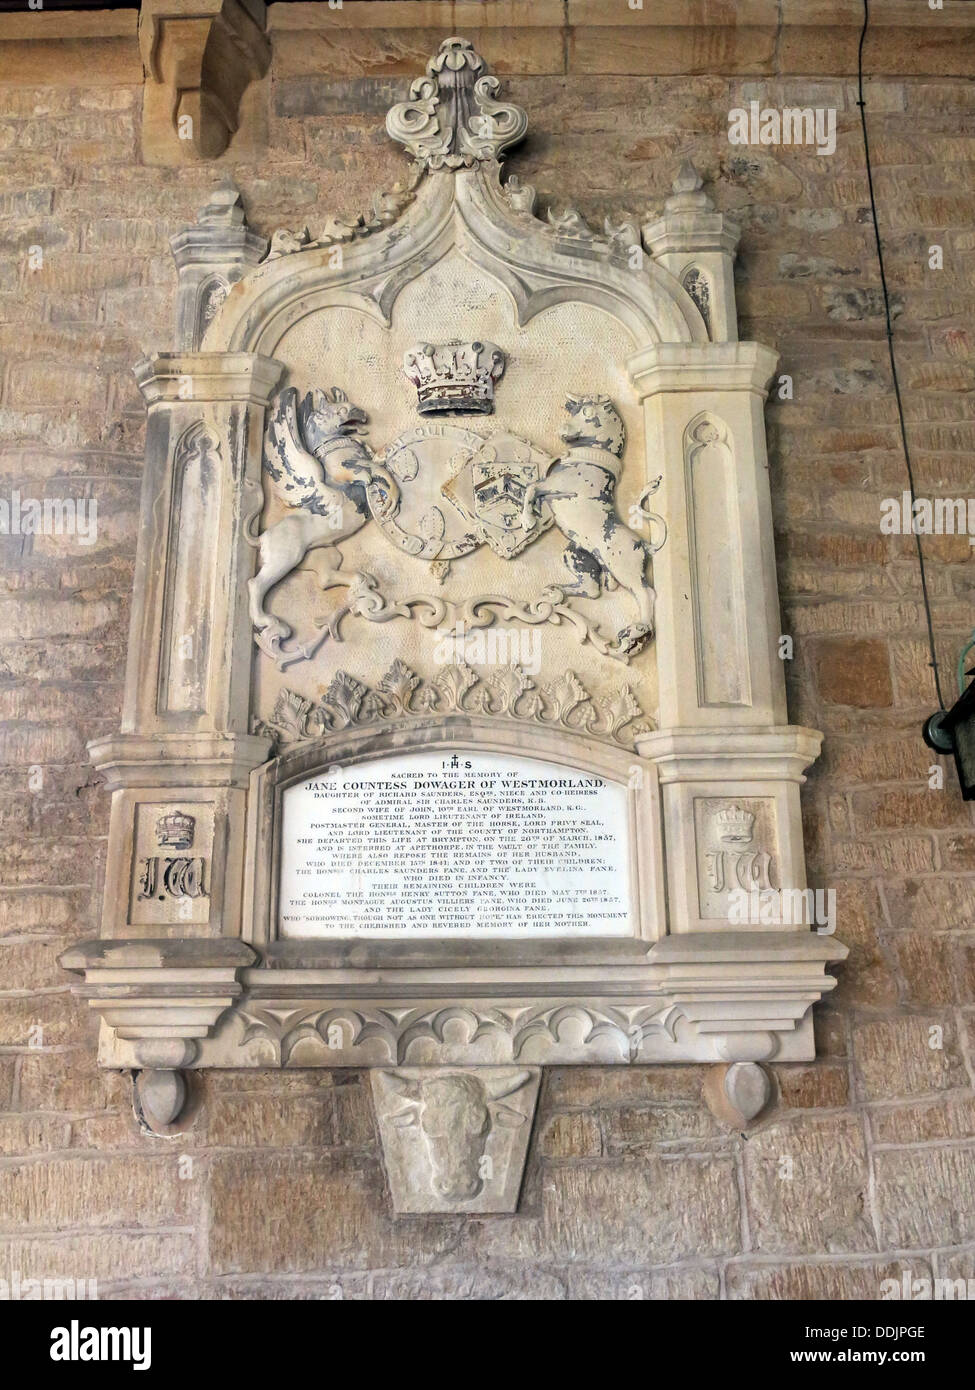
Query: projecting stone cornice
{"points": [[386, 38]]}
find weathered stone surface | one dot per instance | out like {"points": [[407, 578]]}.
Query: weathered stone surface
{"points": [[100, 1255], [596, 1088], [69, 1081], [925, 1196], [270, 1121], [574, 1135], [643, 1285], [94, 1192], [907, 1055], [854, 673], [904, 808], [652, 1209], [952, 1117], [495, 1285], [806, 1180], [918, 902], [831, 1281], [821, 1086], [860, 923], [930, 969], [631, 1131], [324, 1286], [314, 1211]]}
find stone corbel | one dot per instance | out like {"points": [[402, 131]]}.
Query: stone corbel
{"points": [[161, 996], [455, 1139], [737, 1094], [200, 57]]}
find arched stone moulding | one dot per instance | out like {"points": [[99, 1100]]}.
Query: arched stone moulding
{"points": [[190, 969]]}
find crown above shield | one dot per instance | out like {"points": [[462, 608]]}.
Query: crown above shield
{"points": [[454, 378]]}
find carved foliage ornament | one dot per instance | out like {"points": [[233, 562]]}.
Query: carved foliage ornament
{"points": [[509, 693], [600, 1031], [451, 120]]}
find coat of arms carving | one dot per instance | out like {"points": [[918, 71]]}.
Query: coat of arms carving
{"points": [[438, 491]]}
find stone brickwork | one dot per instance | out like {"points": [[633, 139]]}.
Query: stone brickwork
{"points": [[865, 1165]]}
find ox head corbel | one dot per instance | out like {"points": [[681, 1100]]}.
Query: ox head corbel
{"points": [[455, 1112]]}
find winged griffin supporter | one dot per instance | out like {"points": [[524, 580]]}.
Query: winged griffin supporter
{"points": [[319, 464]]}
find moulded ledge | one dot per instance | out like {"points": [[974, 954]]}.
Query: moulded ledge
{"points": [[723, 945], [157, 953]]}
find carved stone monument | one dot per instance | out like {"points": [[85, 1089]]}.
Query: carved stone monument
{"points": [[443, 754]]}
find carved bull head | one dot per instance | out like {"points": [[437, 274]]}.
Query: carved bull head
{"points": [[455, 1114]]}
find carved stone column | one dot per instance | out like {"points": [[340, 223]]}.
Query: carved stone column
{"points": [[729, 764], [179, 767], [178, 770]]}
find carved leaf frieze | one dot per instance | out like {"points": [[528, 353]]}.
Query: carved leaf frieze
{"points": [[504, 1034], [509, 694]]}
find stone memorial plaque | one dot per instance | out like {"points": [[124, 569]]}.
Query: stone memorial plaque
{"points": [[466, 844], [435, 457]]}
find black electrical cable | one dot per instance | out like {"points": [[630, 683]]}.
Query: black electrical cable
{"points": [[893, 360]]}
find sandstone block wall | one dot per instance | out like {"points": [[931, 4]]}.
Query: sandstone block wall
{"points": [[866, 1164]]}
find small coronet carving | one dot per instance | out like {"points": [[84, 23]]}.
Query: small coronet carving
{"points": [[175, 830], [735, 825], [454, 378]]}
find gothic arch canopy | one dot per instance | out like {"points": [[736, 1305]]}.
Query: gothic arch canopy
{"points": [[539, 263]]}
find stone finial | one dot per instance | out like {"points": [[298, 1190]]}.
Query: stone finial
{"points": [[211, 255], [223, 208], [451, 120], [687, 191], [687, 179]]}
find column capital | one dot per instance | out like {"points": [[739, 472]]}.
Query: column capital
{"points": [[707, 367], [191, 377]]}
